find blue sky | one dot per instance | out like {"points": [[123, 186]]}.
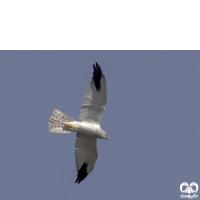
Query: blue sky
{"points": [[151, 118]]}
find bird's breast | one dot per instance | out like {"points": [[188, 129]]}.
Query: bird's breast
{"points": [[88, 129]]}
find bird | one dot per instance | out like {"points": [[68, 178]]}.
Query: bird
{"points": [[88, 127]]}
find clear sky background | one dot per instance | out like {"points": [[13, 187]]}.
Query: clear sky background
{"points": [[152, 121]]}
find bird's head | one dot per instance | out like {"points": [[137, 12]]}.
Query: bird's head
{"points": [[105, 136]]}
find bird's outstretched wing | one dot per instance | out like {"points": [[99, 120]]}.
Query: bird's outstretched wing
{"points": [[95, 98], [85, 155]]}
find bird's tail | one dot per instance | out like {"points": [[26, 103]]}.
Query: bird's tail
{"points": [[58, 122]]}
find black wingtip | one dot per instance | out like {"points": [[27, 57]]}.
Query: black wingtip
{"points": [[97, 76], [82, 173]]}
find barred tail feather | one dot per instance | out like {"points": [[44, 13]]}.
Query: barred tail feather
{"points": [[58, 121]]}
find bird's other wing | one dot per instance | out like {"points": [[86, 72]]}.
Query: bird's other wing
{"points": [[85, 155], [95, 98]]}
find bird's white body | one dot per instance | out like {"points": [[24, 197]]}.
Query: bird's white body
{"points": [[88, 129]]}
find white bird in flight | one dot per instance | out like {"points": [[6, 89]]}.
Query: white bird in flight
{"points": [[88, 128]]}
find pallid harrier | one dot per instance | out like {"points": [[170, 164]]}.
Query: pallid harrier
{"points": [[88, 128]]}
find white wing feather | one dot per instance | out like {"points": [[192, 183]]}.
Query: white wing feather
{"points": [[85, 152], [94, 103]]}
